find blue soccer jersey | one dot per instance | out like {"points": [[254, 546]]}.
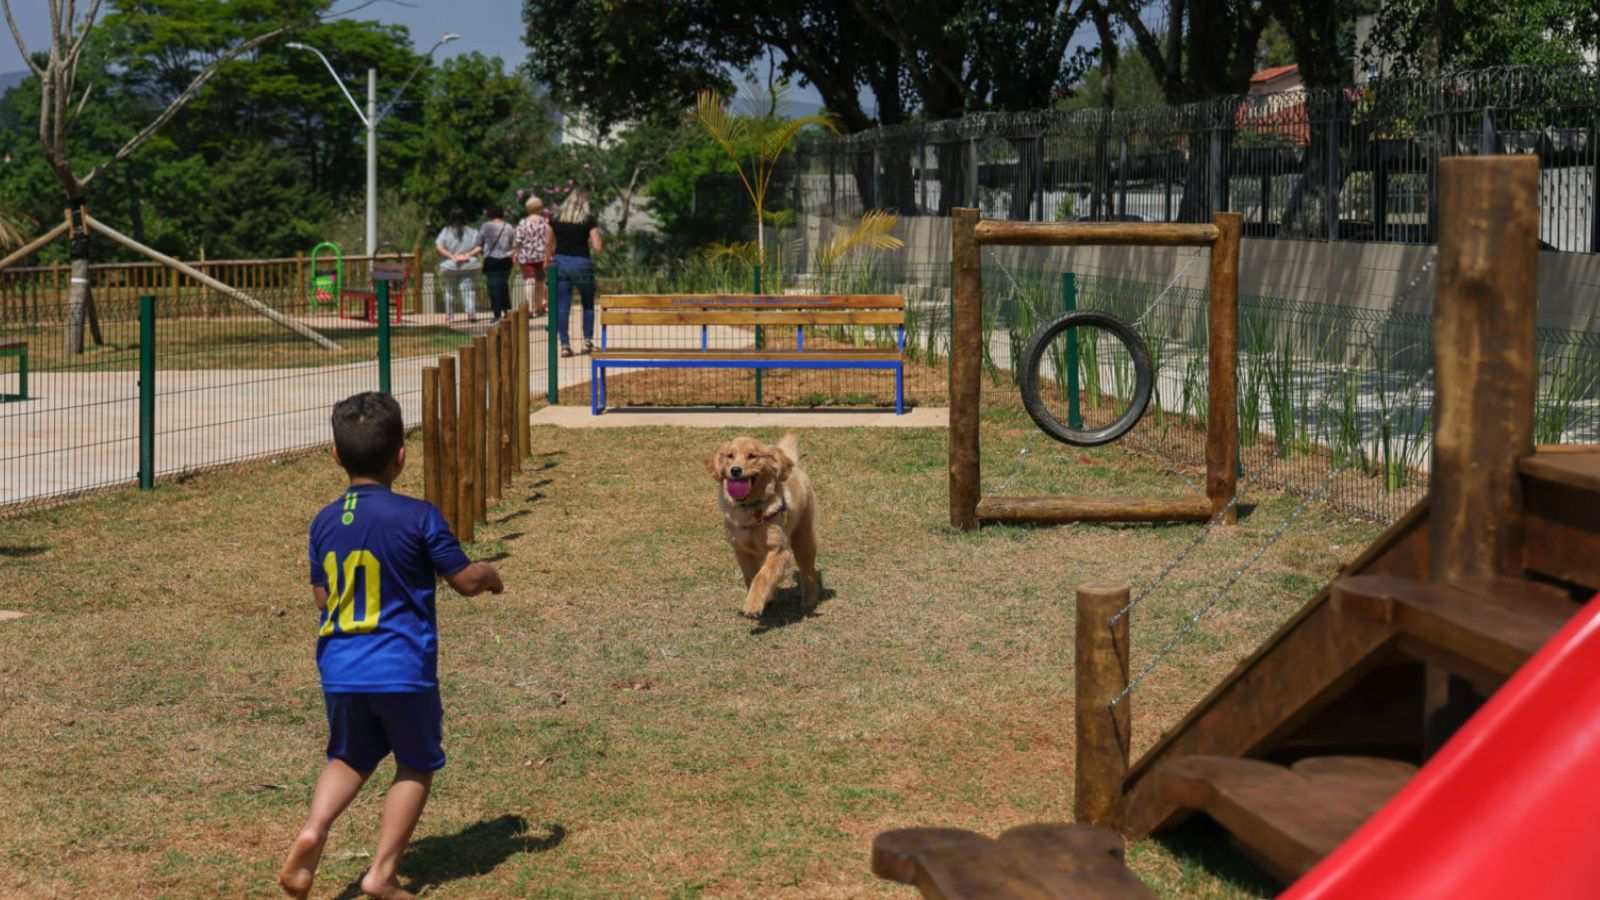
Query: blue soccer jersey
{"points": [[377, 554]]}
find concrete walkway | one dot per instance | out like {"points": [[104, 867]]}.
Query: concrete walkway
{"points": [[741, 417]]}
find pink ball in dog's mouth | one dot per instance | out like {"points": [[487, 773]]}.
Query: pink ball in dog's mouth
{"points": [[738, 488]]}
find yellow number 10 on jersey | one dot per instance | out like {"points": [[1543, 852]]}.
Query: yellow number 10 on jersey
{"points": [[342, 593]]}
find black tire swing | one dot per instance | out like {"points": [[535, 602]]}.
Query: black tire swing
{"points": [[1033, 358]]}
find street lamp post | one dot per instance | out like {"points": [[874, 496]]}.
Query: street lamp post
{"points": [[371, 118]]}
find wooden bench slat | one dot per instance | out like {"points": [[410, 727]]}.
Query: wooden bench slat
{"points": [[755, 317], [752, 301], [863, 353]]}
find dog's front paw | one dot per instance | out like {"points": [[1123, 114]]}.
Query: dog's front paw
{"points": [[751, 611]]}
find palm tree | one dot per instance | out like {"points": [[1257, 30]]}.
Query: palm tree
{"points": [[754, 144]]}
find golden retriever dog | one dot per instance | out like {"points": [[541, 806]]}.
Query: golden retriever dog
{"points": [[769, 511]]}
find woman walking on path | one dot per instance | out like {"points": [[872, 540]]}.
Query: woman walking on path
{"points": [[457, 245], [533, 249], [495, 240], [577, 237]]}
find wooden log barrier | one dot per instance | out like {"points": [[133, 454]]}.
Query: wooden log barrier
{"points": [[1104, 732], [508, 404], [966, 358], [432, 487], [449, 435], [467, 444], [1222, 352], [486, 489], [524, 398], [1047, 510]]}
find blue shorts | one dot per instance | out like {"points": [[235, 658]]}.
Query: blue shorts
{"points": [[364, 728]]}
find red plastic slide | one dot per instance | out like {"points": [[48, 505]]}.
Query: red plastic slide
{"points": [[1508, 808]]}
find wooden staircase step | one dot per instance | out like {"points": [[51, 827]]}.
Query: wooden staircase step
{"points": [[1046, 861], [1286, 818], [1493, 622], [1577, 470]]}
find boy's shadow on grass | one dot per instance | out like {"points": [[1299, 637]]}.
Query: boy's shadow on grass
{"points": [[475, 850], [786, 609]]}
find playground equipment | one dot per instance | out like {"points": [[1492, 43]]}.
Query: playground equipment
{"points": [[967, 507], [1080, 360], [326, 286], [1328, 720]]}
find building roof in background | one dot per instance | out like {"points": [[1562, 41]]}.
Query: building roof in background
{"points": [[1266, 75]]}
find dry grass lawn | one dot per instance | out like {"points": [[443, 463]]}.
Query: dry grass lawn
{"points": [[613, 727]]}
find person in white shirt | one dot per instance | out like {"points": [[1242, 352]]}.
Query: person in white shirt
{"points": [[459, 250]]}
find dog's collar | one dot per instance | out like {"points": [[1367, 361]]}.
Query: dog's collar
{"points": [[779, 513]]}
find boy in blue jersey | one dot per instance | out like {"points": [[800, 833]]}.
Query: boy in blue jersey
{"points": [[375, 556]]}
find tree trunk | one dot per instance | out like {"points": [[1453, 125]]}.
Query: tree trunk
{"points": [[80, 302]]}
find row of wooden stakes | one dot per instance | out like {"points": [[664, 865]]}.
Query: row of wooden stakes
{"points": [[476, 438]]}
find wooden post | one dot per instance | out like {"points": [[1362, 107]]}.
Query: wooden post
{"points": [[524, 398], [1104, 732], [966, 361], [467, 444], [497, 412], [450, 435], [488, 473], [432, 438], [1485, 380], [1222, 419], [508, 402]]}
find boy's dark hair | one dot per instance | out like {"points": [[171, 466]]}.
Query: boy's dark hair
{"points": [[368, 430]]}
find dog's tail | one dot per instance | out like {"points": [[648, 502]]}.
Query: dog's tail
{"points": [[790, 445]]}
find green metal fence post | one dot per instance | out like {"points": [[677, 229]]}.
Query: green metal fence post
{"points": [[759, 342], [384, 374], [554, 389], [147, 393], [1069, 302]]}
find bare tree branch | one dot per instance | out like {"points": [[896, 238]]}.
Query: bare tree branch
{"points": [[178, 103], [83, 34], [83, 101], [16, 33]]}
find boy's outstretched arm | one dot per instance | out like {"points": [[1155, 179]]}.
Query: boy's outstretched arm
{"points": [[474, 579]]}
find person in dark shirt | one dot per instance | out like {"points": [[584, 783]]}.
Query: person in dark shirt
{"points": [[375, 556], [577, 235]]}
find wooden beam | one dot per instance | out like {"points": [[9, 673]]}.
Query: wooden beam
{"points": [[1112, 234], [1486, 378], [299, 328], [467, 445], [752, 301], [32, 246], [1104, 732], [1057, 510], [449, 446], [492, 424], [1222, 316], [966, 362], [432, 438], [524, 400], [755, 317], [1486, 371]]}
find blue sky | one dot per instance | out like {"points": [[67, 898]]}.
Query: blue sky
{"points": [[490, 27]]}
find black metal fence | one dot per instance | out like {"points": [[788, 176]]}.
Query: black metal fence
{"points": [[1354, 163]]}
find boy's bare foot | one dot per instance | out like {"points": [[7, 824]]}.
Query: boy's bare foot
{"points": [[389, 889], [300, 869]]}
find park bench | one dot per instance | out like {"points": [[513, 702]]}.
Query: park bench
{"points": [[755, 312], [19, 349]]}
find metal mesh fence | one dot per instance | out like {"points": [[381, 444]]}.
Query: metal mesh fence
{"points": [[228, 383], [1354, 163]]}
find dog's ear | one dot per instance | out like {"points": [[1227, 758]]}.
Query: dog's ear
{"points": [[714, 465], [781, 461]]}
